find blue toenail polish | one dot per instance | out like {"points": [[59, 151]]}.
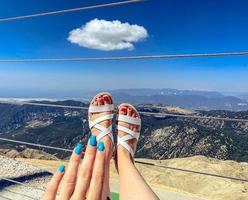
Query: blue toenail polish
{"points": [[93, 141], [61, 168], [100, 146], [78, 148]]}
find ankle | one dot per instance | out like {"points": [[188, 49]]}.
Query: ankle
{"points": [[124, 157]]}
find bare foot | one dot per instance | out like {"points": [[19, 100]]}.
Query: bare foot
{"points": [[98, 101], [123, 153]]}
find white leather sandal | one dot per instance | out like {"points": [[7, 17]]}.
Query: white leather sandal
{"points": [[96, 123], [130, 133]]}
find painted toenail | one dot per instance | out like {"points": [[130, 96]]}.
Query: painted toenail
{"points": [[100, 146], [123, 109], [61, 168], [93, 140], [78, 148], [106, 98]]}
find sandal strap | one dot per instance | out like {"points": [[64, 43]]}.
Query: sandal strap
{"points": [[128, 119], [100, 119], [130, 133], [122, 142], [101, 108], [96, 123], [104, 131]]}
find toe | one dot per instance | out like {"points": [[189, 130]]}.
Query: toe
{"points": [[134, 126], [129, 111], [95, 103], [137, 127], [123, 110], [100, 101], [106, 99], [136, 115]]}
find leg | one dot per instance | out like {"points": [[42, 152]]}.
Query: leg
{"points": [[132, 184], [99, 101]]}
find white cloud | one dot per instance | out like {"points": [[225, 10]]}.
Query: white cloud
{"points": [[107, 35]]}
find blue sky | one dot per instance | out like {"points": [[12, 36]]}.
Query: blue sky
{"points": [[173, 27]]}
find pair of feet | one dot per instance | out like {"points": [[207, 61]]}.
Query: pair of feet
{"points": [[101, 113], [124, 109]]}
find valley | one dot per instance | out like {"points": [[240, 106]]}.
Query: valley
{"points": [[161, 137]]}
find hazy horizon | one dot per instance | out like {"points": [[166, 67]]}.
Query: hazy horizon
{"points": [[80, 94]]}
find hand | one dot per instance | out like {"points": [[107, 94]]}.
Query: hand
{"points": [[80, 181]]}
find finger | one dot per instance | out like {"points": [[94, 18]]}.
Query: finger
{"points": [[96, 184], [52, 187], [69, 181], [85, 170]]}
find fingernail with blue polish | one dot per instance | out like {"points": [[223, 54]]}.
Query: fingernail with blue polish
{"points": [[78, 148], [100, 146], [61, 168], [93, 141]]}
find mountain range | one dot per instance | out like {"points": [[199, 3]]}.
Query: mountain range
{"points": [[191, 99]]}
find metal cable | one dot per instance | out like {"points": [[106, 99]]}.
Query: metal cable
{"points": [[124, 57], [193, 171], [69, 10], [195, 116], [43, 105], [145, 163], [36, 145], [144, 113], [20, 183], [6, 197], [18, 193]]}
